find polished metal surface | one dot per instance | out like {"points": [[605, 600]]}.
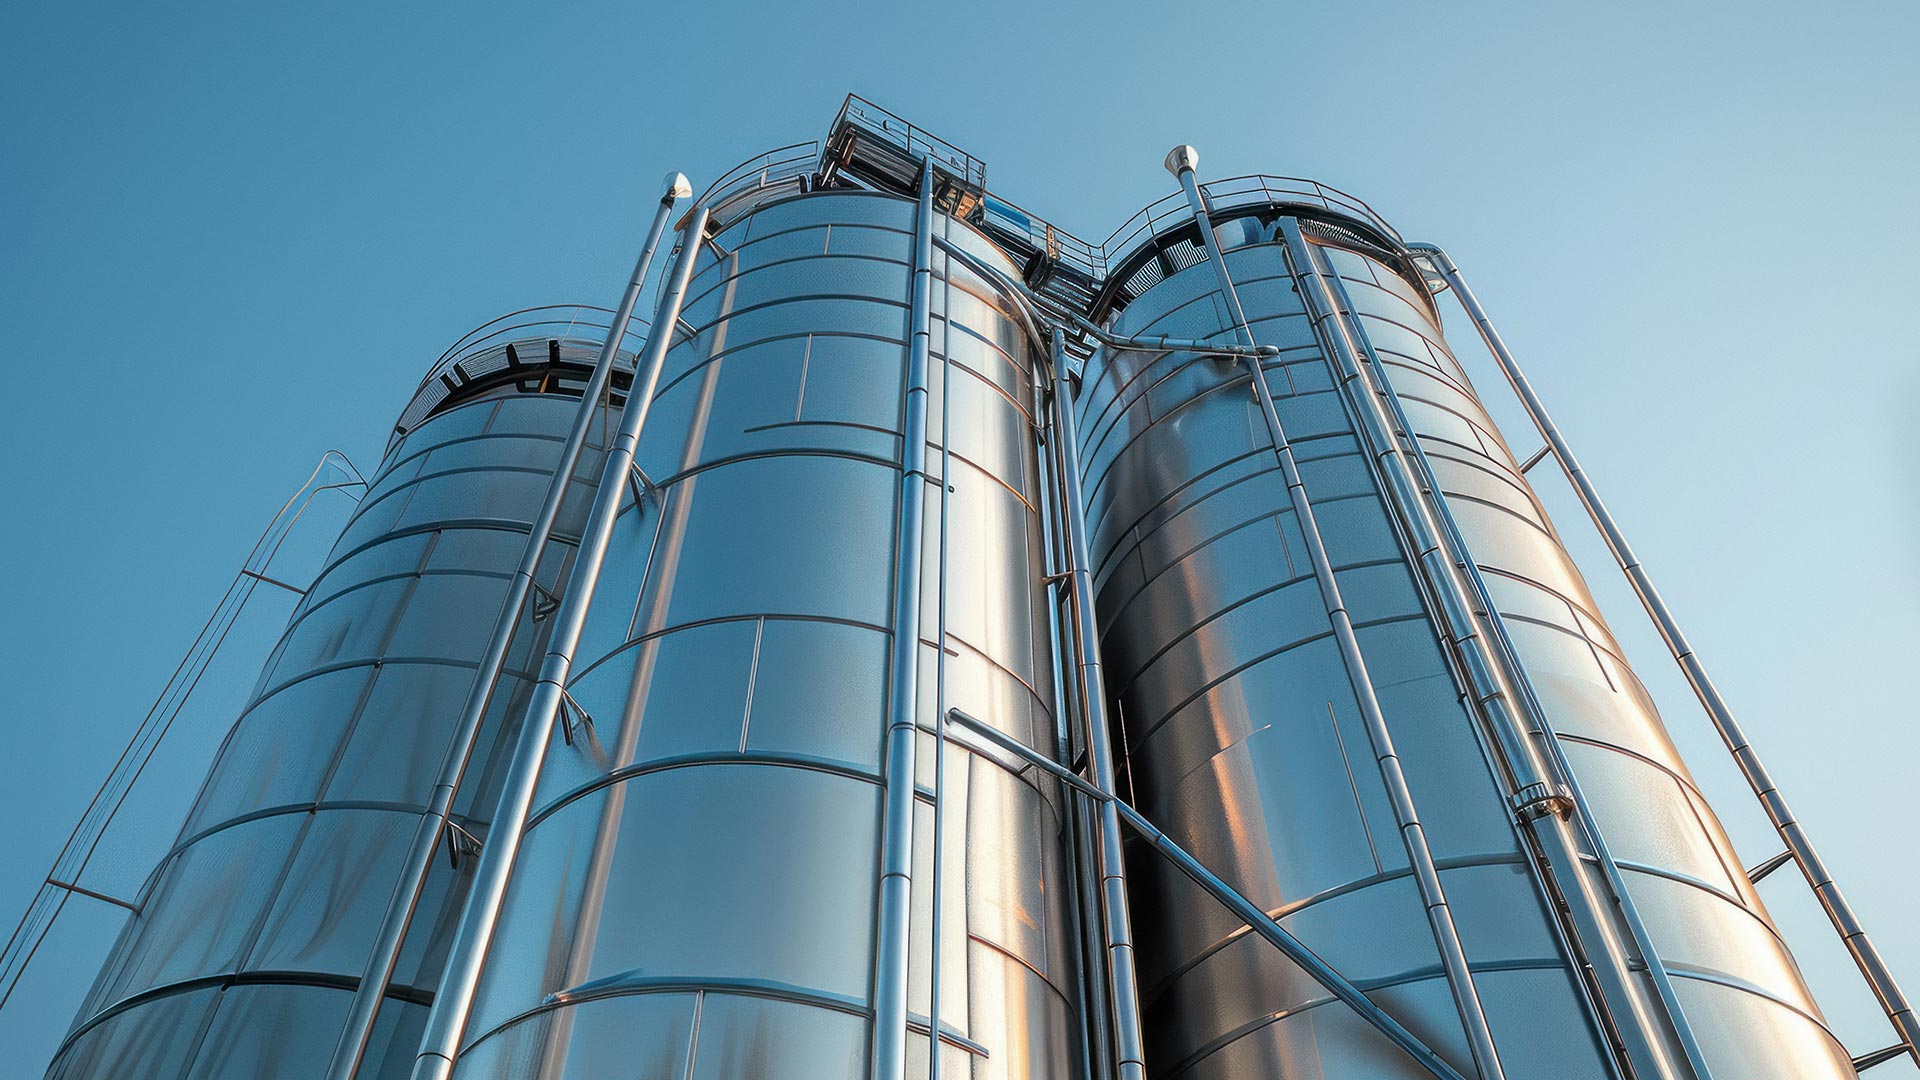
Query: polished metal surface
{"points": [[453, 997], [1241, 729], [254, 930], [790, 729], [1090, 693], [435, 825], [1799, 849], [701, 874], [1406, 817], [1257, 921]]}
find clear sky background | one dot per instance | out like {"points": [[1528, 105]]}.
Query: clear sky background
{"points": [[232, 236]]}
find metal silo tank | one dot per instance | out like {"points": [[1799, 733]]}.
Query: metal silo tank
{"points": [[254, 929], [1242, 731], [701, 875]]}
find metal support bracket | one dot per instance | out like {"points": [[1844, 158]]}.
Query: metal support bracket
{"points": [[642, 484], [1540, 800], [1879, 1057], [1539, 456], [1769, 866], [461, 844], [81, 890], [569, 707], [544, 602]]}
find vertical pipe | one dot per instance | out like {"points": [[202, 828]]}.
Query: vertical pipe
{"points": [[378, 973], [1123, 985], [938, 861], [1453, 958], [1872, 966], [453, 1001], [892, 942], [1603, 924], [1096, 1012]]}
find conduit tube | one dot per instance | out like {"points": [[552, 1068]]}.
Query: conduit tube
{"points": [[1453, 958], [453, 1001], [1116, 920], [374, 979], [892, 941], [1872, 967]]}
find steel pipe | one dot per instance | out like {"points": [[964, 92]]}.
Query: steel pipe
{"points": [[453, 1001], [351, 1048], [1258, 921], [1873, 968], [892, 939], [1604, 922], [1122, 981], [1453, 957]]}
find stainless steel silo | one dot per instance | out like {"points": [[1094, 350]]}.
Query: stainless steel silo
{"points": [[921, 551], [253, 932], [1243, 731], [704, 875]]}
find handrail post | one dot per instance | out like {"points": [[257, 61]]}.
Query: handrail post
{"points": [[453, 1001], [378, 973], [1873, 968], [1453, 959]]}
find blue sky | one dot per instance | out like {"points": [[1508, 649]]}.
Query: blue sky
{"points": [[234, 236]]}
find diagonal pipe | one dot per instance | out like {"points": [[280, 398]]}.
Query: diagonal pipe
{"points": [[1258, 921], [1873, 968], [453, 1001], [351, 1048], [1453, 957]]}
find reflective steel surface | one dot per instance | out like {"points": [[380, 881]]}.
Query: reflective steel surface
{"points": [[1244, 744], [699, 881], [254, 929], [849, 417]]}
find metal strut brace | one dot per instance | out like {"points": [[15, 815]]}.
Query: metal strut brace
{"points": [[1453, 958], [1244, 909], [1873, 967], [453, 1000]]}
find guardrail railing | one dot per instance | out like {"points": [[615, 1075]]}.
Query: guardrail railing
{"points": [[481, 351], [1254, 189]]}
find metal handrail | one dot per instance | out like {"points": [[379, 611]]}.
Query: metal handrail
{"points": [[773, 168], [584, 325], [70, 865], [911, 138], [1170, 213]]}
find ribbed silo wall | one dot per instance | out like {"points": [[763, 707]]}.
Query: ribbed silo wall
{"points": [[253, 931], [1243, 740], [699, 880]]}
